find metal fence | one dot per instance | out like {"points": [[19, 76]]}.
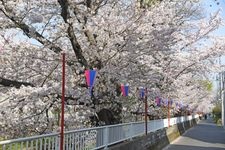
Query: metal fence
{"points": [[90, 138]]}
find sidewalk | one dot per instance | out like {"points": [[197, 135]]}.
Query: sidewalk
{"points": [[205, 136]]}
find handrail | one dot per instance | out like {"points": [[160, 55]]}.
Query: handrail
{"points": [[91, 138], [28, 138]]}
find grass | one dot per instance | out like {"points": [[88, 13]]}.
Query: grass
{"points": [[217, 120]]}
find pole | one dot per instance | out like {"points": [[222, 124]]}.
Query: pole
{"points": [[168, 114], [146, 108], [223, 110], [63, 101], [223, 99]]}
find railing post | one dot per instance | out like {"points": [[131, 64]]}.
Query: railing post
{"points": [[106, 137], [131, 131], [57, 141]]}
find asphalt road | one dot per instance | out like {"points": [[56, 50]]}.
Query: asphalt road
{"points": [[205, 136]]}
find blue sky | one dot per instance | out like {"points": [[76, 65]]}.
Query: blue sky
{"points": [[211, 6]]}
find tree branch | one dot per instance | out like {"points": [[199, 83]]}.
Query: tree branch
{"points": [[14, 83], [70, 31], [30, 33]]}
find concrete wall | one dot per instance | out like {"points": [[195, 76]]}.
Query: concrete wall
{"points": [[156, 140]]}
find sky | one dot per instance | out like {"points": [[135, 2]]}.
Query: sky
{"points": [[212, 6]]}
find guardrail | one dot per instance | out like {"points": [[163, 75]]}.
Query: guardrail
{"points": [[90, 138]]}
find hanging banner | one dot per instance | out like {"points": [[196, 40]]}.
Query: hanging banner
{"points": [[141, 92], [90, 78], [177, 105], [158, 101], [188, 107], [124, 89], [165, 102], [180, 105], [162, 102], [171, 102]]}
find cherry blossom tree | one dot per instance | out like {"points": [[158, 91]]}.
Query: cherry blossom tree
{"points": [[167, 47]]}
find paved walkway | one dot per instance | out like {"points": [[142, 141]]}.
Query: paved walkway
{"points": [[205, 136]]}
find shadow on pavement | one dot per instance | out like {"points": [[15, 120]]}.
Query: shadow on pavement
{"points": [[185, 147], [207, 132]]}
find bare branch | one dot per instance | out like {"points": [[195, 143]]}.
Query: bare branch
{"points": [[31, 34], [13, 83]]}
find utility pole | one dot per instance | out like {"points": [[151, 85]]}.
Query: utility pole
{"points": [[222, 94], [146, 112], [223, 98]]}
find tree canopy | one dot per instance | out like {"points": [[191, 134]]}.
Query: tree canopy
{"points": [[168, 48]]}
